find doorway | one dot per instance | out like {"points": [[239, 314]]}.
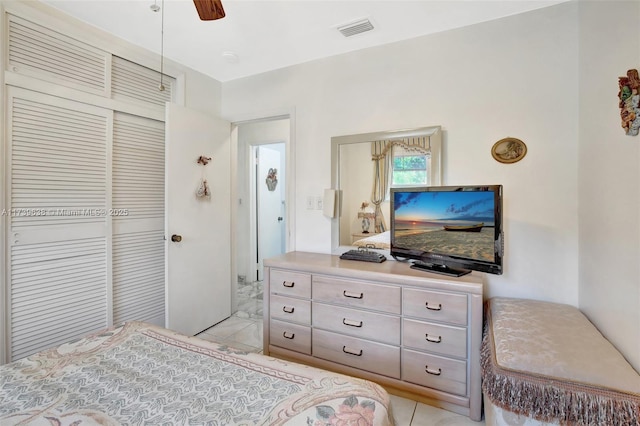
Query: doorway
{"points": [[270, 203], [261, 211]]}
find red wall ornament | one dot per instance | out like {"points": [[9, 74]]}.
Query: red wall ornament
{"points": [[629, 104]]}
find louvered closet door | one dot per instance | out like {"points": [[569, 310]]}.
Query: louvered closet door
{"points": [[40, 52], [58, 228], [133, 82], [138, 220]]}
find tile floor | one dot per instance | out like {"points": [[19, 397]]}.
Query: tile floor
{"points": [[243, 330], [249, 298], [241, 333]]}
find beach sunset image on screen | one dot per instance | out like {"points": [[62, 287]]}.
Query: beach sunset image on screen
{"points": [[455, 223]]}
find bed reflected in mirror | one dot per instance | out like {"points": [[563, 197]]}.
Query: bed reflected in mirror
{"points": [[364, 167]]}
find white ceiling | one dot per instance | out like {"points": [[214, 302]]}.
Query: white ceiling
{"points": [[267, 34]]}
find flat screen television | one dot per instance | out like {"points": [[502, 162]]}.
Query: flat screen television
{"points": [[449, 230]]}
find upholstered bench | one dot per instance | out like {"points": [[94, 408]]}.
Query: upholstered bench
{"points": [[545, 363]]}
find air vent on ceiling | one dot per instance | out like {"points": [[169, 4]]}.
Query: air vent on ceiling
{"points": [[357, 27]]}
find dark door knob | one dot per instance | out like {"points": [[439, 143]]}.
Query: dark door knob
{"points": [[176, 238], [280, 219]]}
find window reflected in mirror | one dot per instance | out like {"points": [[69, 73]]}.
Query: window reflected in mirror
{"points": [[409, 169]]}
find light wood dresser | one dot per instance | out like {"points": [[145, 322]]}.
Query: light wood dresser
{"points": [[415, 333]]}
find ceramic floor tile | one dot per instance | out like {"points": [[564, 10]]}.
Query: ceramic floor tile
{"points": [[250, 300], [242, 314], [246, 292], [402, 410], [228, 327], [242, 347], [426, 415], [250, 335], [244, 328], [209, 337], [250, 309]]}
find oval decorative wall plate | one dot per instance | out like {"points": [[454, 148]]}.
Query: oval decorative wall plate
{"points": [[509, 150]]}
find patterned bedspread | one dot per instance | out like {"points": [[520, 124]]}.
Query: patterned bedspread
{"points": [[142, 374]]}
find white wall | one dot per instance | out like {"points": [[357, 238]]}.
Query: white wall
{"points": [[202, 93], [514, 77], [609, 176]]}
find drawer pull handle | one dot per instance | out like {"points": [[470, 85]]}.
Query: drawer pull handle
{"points": [[351, 323], [288, 284], [352, 295], [288, 310], [435, 373], [432, 340], [291, 336], [344, 349], [438, 308]]}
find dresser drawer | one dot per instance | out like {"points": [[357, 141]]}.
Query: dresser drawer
{"points": [[358, 353], [354, 322], [435, 305], [357, 293], [448, 375], [290, 309], [290, 336], [436, 338], [290, 283]]}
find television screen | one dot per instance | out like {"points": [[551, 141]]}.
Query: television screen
{"points": [[448, 230]]}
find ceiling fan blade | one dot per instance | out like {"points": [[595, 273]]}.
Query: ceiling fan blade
{"points": [[209, 10]]}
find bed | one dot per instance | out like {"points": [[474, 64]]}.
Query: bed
{"points": [[143, 374], [377, 241]]}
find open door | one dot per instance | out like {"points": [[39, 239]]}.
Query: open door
{"points": [[199, 239], [270, 202]]}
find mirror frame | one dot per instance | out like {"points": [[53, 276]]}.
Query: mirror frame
{"points": [[435, 140]]}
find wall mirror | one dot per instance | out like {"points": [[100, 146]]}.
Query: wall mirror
{"points": [[364, 167]]}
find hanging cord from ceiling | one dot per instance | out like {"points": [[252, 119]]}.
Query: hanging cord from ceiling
{"points": [[155, 8], [161, 86]]}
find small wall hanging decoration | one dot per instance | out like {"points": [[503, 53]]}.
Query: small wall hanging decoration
{"points": [[272, 179], [509, 150], [629, 104], [203, 191], [203, 160]]}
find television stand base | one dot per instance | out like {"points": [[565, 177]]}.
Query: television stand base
{"points": [[439, 269]]}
